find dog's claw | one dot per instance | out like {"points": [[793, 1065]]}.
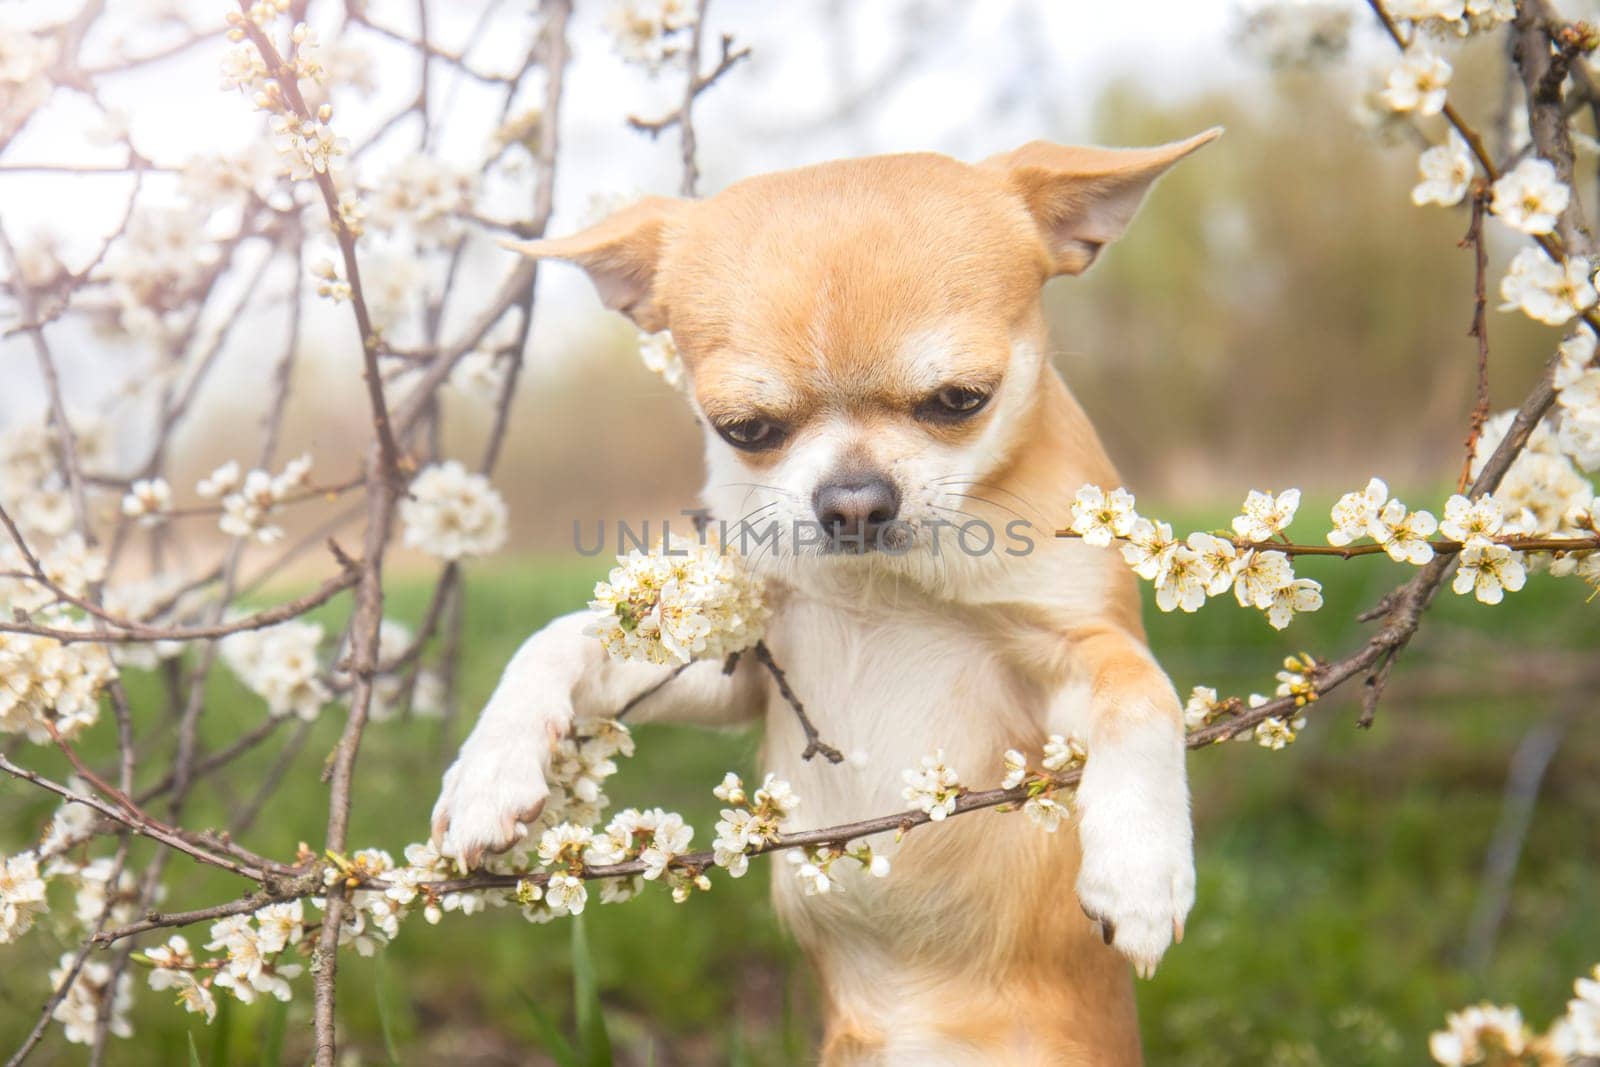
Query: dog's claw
{"points": [[1177, 931]]}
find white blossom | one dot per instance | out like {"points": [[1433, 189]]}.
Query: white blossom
{"points": [[1470, 1033], [1299, 596], [933, 787], [1546, 290], [1063, 753], [1182, 580], [1530, 198], [1403, 534], [51, 686], [1265, 516], [660, 354], [22, 895], [1045, 812], [1148, 547], [452, 513], [677, 604], [91, 992], [1488, 571], [1354, 513], [1471, 522], [1446, 171], [1099, 517], [280, 665], [1200, 707], [1258, 575], [1418, 83], [1016, 768], [147, 499]]}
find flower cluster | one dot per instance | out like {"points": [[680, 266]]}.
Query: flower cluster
{"points": [[646, 30], [279, 664], [51, 687], [933, 787], [684, 601], [96, 990], [1297, 680], [814, 867], [22, 895], [1044, 805], [453, 514], [1204, 565], [251, 498], [1497, 1035], [749, 822], [654, 837]]}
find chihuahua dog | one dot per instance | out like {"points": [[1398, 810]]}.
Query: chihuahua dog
{"points": [[866, 350]]}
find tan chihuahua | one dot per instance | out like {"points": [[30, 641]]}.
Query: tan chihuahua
{"points": [[866, 349]]}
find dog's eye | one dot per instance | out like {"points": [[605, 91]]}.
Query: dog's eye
{"points": [[953, 402], [752, 435]]}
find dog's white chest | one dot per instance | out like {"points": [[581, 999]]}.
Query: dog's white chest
{"points": [[888, 687]]}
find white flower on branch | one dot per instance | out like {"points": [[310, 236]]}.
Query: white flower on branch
{"points": [[1471, 522], [90, 994], [50, 685], [1446, 172], [245, 510], [1275, 734], [1354, 513], [679, 603], [1488, 572], [1418, 83], [1530, 198], [25, 62], [97, 891], [1265, 516], [423, 195], [1148, 545], [1258, 575], [1403, 534], [566, 894], [196, 998], [22, 895], [933, 788], [1182, 580], [1474, 1033], [282, 925], [147, 500], [280, 665], [452, 513], [1045, 812], [1300, 596], [168, 962], [1099, 517], [1543, 491], [308, 147], [1219, 559], [1545, 290], [1016, 769], [1063, 753], [660, 354], [1200, 708], [644, 29]]}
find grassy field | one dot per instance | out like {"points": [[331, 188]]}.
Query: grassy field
{"points": [[1336, 879]]}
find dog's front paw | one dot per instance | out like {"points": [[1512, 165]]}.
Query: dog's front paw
{"points": [[495, 785], [1137, 877]]}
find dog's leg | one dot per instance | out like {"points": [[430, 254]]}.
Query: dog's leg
{"points": [[559, 674], [1137, 876]]}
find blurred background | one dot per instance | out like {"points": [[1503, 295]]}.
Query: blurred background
{"points": [[1279, 314]]}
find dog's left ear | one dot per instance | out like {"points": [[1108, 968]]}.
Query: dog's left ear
{"points": [[620, 254], [1082, 198]]}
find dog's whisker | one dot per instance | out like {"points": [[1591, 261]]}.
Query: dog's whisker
{"points": [[992, 503], [973, 482]]}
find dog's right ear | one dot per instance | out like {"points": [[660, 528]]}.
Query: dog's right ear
{"points": [[620, 254]]}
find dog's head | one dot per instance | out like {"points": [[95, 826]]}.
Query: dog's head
{"points": [[863, 339]]}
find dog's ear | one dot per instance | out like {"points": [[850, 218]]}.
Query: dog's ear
{"points": [[620, 255], [1082, 198]]}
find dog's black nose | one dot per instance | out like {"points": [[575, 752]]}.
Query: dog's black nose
{"points": [[854, 508]]}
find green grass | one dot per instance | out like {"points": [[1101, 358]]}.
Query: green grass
{"points": [[1336, 878]]}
